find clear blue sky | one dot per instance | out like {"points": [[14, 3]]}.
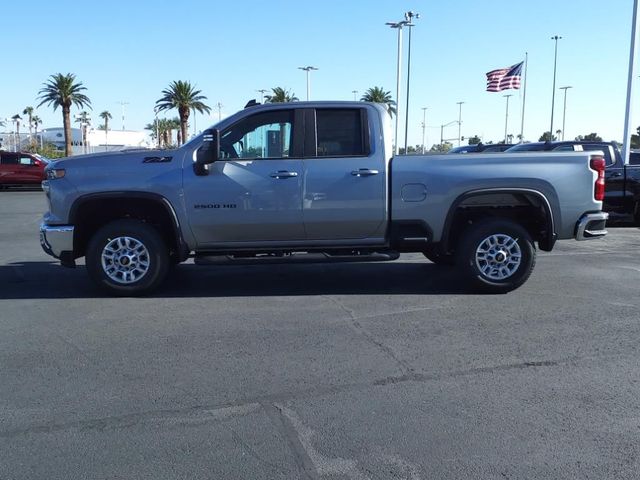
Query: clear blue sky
{"points": [[131, 50]]}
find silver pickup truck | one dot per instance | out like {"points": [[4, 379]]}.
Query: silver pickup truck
{"points": [[315, 181]]}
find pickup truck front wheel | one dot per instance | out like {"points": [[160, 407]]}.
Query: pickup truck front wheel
{"points": [[127, 258], [496, 255]]}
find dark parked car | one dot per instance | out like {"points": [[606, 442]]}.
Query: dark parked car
{"points": [[19, 168], [481, 147], [622, 182]]}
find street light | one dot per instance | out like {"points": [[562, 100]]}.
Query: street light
{"points": [[506, 116], [398, 25], [442, 130], [408, 16], [355, 94], [219, 105], [262, 91], [155, 111], [424, 126], [307, 69], [555, 38], [564, 110], [459, 120], [122, 104]]}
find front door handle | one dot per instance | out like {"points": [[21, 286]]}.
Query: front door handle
{"points": [[283, 174], [364, 172], [615, 174]]}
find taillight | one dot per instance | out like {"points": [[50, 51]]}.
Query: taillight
{"points": [[598, 164]]}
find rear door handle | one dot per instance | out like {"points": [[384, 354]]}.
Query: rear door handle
{"points": [[364, 172], [283, 174]]}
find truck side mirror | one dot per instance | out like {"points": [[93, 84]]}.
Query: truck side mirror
{"points": [[209, 151]]}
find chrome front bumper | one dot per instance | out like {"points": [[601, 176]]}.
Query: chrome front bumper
{"points": [[591, 225], [55, 239]]}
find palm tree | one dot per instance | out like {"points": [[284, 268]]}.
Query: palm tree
{"points": [[63, 91], [83, 119], [280, 95], [28, 111], [16, 119], [36, 121], [378, 95], [182, 96], [106, 116]]}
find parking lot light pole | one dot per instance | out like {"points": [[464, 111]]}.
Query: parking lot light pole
{"points": [[355, 94], [506, 116], [553, 94], [564, 109], [408, 16], [459, 121], [424, 126], [262, 91], [398, 26], [308, 69]]}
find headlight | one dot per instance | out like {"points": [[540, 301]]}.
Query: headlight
{"points": [[55, 173]]}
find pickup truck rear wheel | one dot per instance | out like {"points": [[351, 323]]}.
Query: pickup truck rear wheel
{"points": [[496, 256], [127, 258]]}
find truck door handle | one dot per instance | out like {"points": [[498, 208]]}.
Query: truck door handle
{"points": [[283, 174], [615, 174], [364, 172]]}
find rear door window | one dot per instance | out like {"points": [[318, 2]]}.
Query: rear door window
{"points": [[340, 133], [8, 159]]}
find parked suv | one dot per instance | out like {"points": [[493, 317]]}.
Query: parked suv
{"points": [[20, 168]]}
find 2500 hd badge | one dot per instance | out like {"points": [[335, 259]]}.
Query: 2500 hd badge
{"points": [[199, 206]]}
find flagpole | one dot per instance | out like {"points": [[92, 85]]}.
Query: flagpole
{"points": [[626, 143], [524, 95]]}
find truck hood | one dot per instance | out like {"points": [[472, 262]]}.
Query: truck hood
{"points": [[113, 158], [122, 171]]}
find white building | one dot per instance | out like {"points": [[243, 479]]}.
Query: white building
{"points": [[97, 140]]}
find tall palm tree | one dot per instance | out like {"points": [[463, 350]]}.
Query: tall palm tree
{"points": [[16, 119], [36, 121], [63, 91], [28, 111], [184, 97], [280, 95], [106, 116], [84, 121], [378, 95]]}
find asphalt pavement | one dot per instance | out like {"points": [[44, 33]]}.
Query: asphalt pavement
{"points": [[340, 371]]}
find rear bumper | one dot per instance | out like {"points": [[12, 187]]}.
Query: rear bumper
{"points": [[57, 240], [591, 225]]}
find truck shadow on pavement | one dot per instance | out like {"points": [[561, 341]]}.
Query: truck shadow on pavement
{"points": [[49, 280]]}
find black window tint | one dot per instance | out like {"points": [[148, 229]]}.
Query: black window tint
{"points": [[339, 133], [604, 148], [9, 159], [634, 158]]}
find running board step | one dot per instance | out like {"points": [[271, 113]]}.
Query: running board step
{"points": [[296, 257]]}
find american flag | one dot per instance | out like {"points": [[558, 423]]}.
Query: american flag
{"points": [[504, 78]]}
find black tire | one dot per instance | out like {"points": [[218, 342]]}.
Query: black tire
{"points": [[148, 260], [496, 255], [439, 259]]}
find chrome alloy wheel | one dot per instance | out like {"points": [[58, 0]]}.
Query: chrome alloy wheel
{"points": [[498, 256], [125, 260]]}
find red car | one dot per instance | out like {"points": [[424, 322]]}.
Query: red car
{"points": [[17, 168]]}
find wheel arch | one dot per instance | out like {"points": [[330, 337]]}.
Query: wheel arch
{"points": [[89, 212], [541, 227]]}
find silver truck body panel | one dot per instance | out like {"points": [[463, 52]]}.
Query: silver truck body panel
{"points": [[563, 178]]}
